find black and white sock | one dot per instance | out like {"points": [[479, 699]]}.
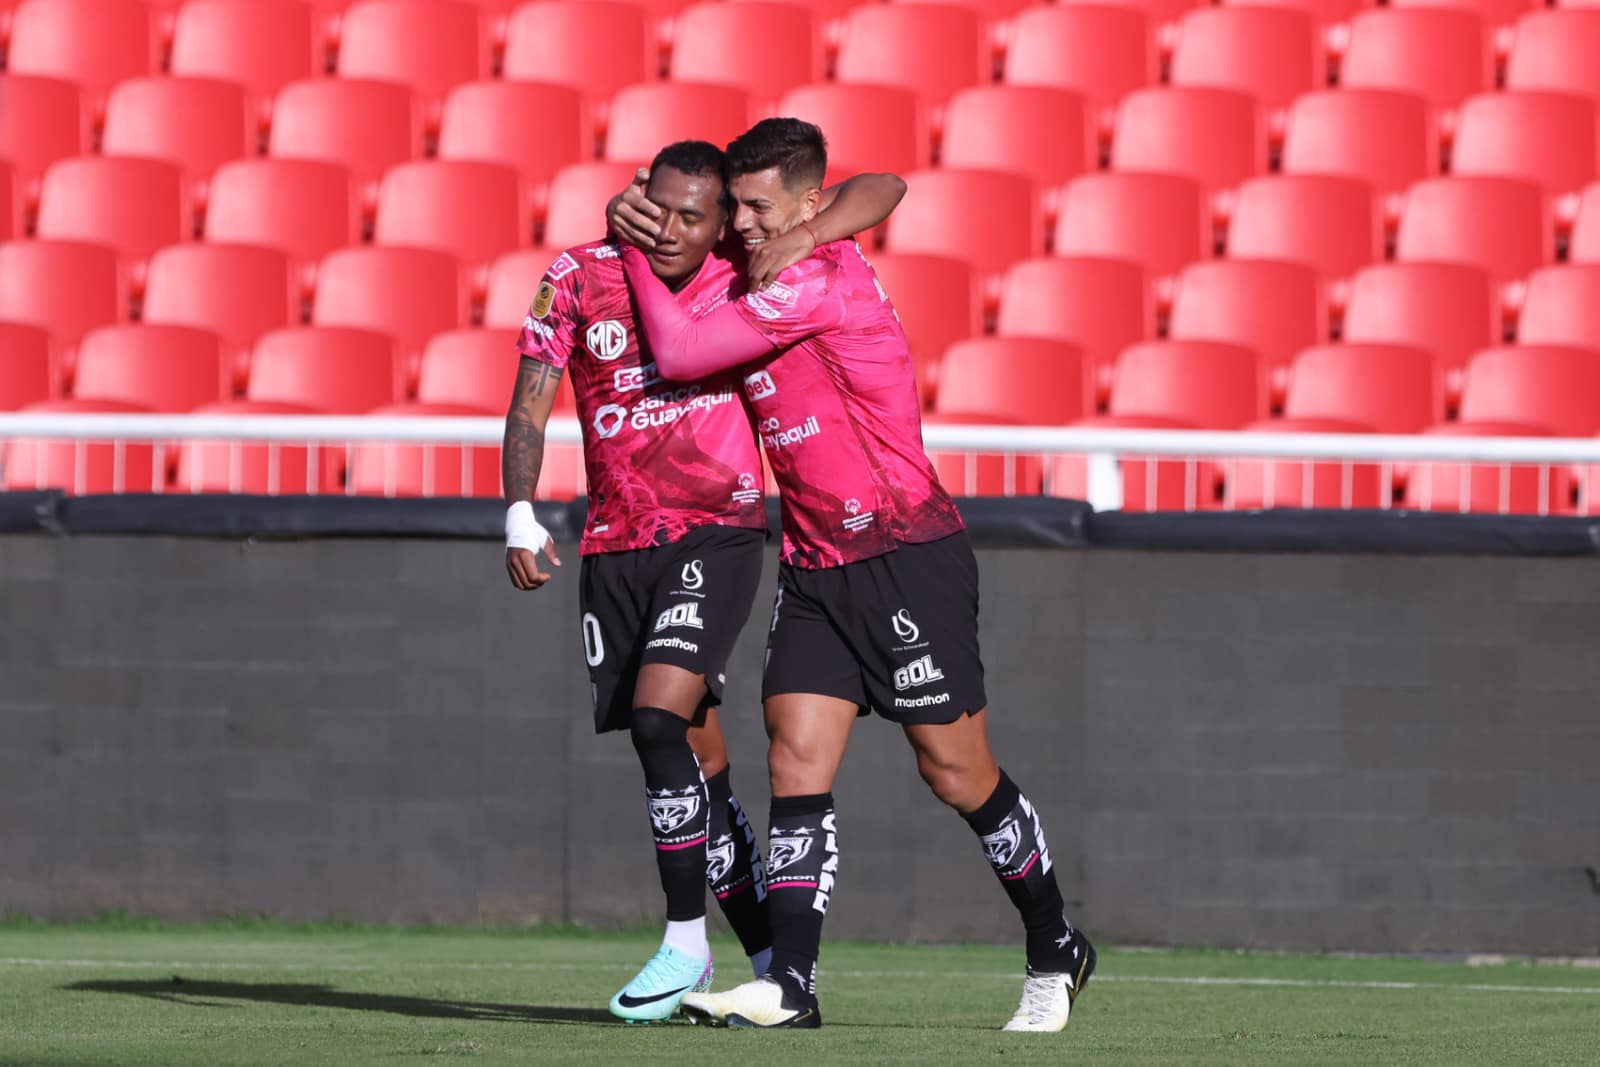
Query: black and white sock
{"points": [[1013, 841], [802, 862], [676, 799], [734, 871]]}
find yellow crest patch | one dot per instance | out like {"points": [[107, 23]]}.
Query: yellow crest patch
{"points": [[542, 301]]}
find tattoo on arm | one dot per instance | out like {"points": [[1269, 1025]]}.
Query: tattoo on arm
{"points": [[522, 452]]}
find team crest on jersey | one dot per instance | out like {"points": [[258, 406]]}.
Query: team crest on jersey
{"points": [[719, 860], [543, 300], [564, 265], [606, 339], [1001, 845], [669, 813], [787, 849]]}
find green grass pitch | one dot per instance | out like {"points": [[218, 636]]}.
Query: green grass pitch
{"points": [[130, 994]]}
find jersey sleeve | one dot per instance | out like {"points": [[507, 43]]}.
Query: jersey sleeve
{"points": [[804, 301], [551, 328]]}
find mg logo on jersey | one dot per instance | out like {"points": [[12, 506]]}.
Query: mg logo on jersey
{"points": [[609, 419], [759, 386], [918, 672], [787, 849], [1001, 845], [680, 615], [669, 813], [904, 628], [693, 575], [606, 339]]}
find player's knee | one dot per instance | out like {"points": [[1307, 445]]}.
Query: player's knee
{"points": [[654, 728], [793, 770], [952, 783]]}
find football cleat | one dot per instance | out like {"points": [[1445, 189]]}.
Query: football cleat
{"points": [[758, 1004], [1047, 999], [656, 991]]}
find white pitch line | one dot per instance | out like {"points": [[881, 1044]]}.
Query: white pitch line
{"points": [[1135, 979]]}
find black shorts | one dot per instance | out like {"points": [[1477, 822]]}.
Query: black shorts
{"points": [[896, 634], [682, 604]]}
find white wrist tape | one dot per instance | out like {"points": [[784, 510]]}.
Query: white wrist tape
{"points": [[523, 530]]}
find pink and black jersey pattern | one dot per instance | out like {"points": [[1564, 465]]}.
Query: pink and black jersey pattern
{"points": [[837, 412], [662, 458]]}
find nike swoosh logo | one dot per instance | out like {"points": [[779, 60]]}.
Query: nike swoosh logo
{"points": [[638, 1002]]}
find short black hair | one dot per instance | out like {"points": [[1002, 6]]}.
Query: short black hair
{"points": [[796, 147], [697, 159]]}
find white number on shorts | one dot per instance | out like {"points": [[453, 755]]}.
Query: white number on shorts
{"points": [[594, 647]]}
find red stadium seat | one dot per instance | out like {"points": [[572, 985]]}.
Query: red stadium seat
{"points": [[133, 205], [472, 367], [1274, 54], [1494, 488], [474, 211], [1296, 483], [1027, 380], [1442, 56], [366, 126], [488, 121], [383, 469], [1389, 388], [1100, 305], [430, 46], [163, 368], [65, 287], [79, 467], [1446, 308], [1100, 51], [95, 43], [933, 49], [1214, 136], [595, 46], [1584, 244], [1545, 138], [1387, 139], [1562, 307], [209, 466], [938, 301], [27, 365], [262, 45], [339, 370], [409, 293], [11, 211], [1329, 223], [989, 218], [238, 292], [1494, 13], [645, 117], [869, 127], [196, 123], [513, 281], [576, 213], [1156, 220], [1274, 308], [1326, 13], [42, 120], [765, 49], [1554, 387], [304, 208], [1500, 224], [1044, 134], [1206, 384], [1555, 51], [983, 474]]}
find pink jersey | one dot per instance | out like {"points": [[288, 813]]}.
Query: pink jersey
{"points": [[836, 408], [662, 458]]}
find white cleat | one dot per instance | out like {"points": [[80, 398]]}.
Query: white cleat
{"points": [[755, 1004], [1047, 998]]}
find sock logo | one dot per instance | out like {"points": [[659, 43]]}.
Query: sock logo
{"points": [[756, 873], [667, 813], [1038, 835], [1001, 845], [719, 860], [830, 869], [788, 848]]}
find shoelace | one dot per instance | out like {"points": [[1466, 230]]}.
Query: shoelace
{"points": [[654, 970], [1038, 997]]}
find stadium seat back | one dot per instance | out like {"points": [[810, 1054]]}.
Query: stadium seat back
{"points": [[1332, 224], [1562, 307], [1542, 137], [1446, 308], [133, 205], [1500, 224], [645, 117], [472, 210], [990, 218], [869, 127], [42, 120], [1208, 384], [1495, 14], [365, 126], [94, 43], [1584, 244], [932, 49], [1159, 221], [576, 210], [27, 365], [512, 283], [429, 45], [197, 123], [1556, 50], [1386, 138], [1272, 307], [1390, 388], [1028, 380], [596, 46], [262, 45], [1100, 305], [339, 370], [160, 367], [765, 49], [997, 127], [409, 293], [1274, 54], [1100, 51], [938, 301], [472, 367], [64, 287], [238, 292], [301, 207], [1440, 55], [489, 121], [1549, 386], [1215, 136]]}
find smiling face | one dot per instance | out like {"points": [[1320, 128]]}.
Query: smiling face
{"points": [[692, 222], [763, 206]]}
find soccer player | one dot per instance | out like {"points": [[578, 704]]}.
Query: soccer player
{"points": [[878, 588], [671, 548]]}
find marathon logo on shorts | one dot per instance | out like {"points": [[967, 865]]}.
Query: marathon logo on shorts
{"points": [[931, 700], [680, 615], [677, 643], [917, 673], [856, 520], [564, 265]]}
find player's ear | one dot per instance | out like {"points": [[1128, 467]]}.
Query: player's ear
{"points": [[811, 203]]}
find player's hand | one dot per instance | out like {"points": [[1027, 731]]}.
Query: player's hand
{"points": [[632, 216], [522, 564], [775, 255]]}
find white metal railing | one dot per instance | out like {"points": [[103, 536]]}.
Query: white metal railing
{"points": [[1115, 458]]}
